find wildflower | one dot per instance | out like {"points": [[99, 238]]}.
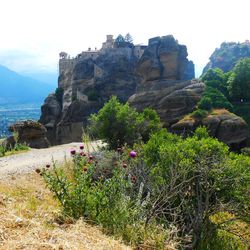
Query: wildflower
{"points": [[81, 147], [133, 154], [124, 165], [38, 171], [47, 166], [133, 179], [72, 152], [82, 154], [85, 169], [91, 157]]}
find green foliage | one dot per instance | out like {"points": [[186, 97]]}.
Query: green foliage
{"points": [[205, 103], [239, 81], [198, 174], [199, 114], [243, 110], [217, 98], [217, 79], [59, 94], [102, 191], [118, 124], [172, 181]]}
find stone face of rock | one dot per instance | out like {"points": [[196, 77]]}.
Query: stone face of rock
{"points": [[227, 55], [87, 83], [227, 127], [31, 133], [166, 84], [164, 58], [51, 113], [171, 99]]}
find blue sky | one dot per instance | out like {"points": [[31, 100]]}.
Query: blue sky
{"points": [[33, 32]]}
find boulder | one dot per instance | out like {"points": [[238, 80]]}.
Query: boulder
{"points": [[227, 127], [29, 132], [164, 58], [171, 99]]}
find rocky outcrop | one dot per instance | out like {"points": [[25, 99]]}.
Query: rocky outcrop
{"points": [[171, 99], [159, 74], [29, 132], [166, 84], [227, 55], [87, 83], [164, 58], [227, 127]]}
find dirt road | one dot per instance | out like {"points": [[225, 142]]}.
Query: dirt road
{"points": [[22, 163]]}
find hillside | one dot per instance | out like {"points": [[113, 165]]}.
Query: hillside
{"points": [[227, 55], [16, 88]]}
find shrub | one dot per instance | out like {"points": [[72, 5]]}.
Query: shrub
{"points": [[239, 81], [199, 114], [205, 103], [168, 181], [194, 178], [119, 124], [101, 190]]}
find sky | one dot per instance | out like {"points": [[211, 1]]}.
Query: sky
{"points": [[34, 32]]}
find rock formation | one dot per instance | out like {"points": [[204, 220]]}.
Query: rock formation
{"points": [[227, 55], [29, 132], [86, 83], [166, 84], [158, 76], [227, 127]]}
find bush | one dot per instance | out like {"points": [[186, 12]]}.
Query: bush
{"points": [[118, 124], [217, 98], [105, 190], [205, 103], [195, 178], [239, 81], [168, 181], [199, 114]]}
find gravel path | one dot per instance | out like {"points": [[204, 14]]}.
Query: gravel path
{"points": [[22, 163]]}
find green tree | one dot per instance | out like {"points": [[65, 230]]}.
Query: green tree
{"points": [[117, 124], [216, 78], [239, 81]]}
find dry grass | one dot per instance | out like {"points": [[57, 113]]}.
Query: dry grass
{"points": [[27, 220]]}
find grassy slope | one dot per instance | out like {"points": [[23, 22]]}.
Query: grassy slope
{"points": [[28, 215]]}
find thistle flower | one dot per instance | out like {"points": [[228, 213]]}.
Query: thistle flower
{"points": [[81, 147], [72, 152], [132, 154]]}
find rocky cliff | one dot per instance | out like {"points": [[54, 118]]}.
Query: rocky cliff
{"points": [[83, 89], [88, 81], [166, 84], [158, 76], [227, 55]]}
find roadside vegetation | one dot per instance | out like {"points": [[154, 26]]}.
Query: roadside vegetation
{"points": [[6, 150], [228, 90], [153, 189]]}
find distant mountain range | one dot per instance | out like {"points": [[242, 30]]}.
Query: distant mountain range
{"points": [[16, 88]]}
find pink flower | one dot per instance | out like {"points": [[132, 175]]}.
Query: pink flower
{"points": [[133, 154], [82, 154], [81, 147], [72, 151]]}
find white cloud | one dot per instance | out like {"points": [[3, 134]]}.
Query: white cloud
{"points": [[43, 28]]}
